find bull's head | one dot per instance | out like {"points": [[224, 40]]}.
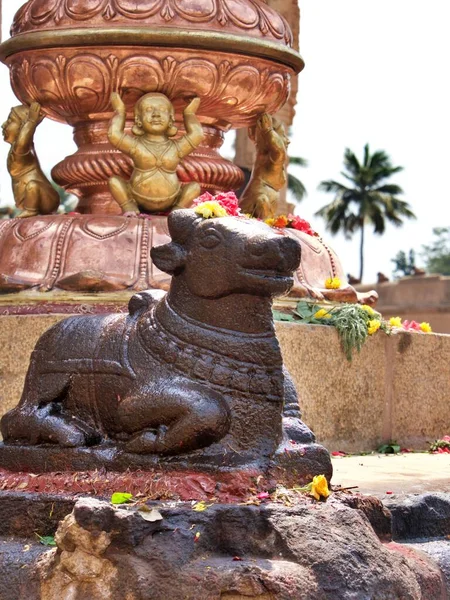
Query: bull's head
{"points": [[227, 255]]}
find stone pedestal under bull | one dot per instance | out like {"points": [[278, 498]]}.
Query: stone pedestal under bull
{"points": [[194, 379]]}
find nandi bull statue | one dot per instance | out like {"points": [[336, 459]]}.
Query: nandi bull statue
{"points": [[195, 376]]}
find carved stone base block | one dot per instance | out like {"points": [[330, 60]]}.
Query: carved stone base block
{"points": [[81, 253]]}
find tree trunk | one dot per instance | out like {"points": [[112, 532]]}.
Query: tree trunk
{"points": [[361, 252]]}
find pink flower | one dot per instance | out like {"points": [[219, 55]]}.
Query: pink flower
{"points": [[227, 200], [205, 197], [230, 203], [300, 225], [411, 326], [263, 495]]}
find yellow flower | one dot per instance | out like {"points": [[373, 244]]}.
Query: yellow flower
{"points": [[332, 283], [210, 209], [369, 310], [269, 222], [395, 322], [319, 487], [373, 326], [322, 314], [425, 327]]}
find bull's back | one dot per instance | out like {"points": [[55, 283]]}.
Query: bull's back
{"points": [[78, 341]]}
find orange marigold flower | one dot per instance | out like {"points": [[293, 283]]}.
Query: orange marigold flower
{"points": [[281, 221]]}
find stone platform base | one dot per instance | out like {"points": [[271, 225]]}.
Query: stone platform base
{"points": [[292, 464], [310, 551]]}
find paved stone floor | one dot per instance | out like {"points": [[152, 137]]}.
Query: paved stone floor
{"points": [[377, 474]]}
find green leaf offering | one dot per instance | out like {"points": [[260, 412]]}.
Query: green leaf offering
{"points": [[281, 316], [46, 540], [121, 498]]}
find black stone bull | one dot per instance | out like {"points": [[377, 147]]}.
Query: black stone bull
{"points": [[199, 368]]}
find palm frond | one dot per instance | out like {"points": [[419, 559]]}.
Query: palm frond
{"points": [[298, 160], [296, 187], [366, 198]]}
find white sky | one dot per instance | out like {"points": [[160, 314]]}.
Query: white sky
{"points": [[376, 71]]}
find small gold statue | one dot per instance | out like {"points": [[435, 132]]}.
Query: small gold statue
{"points": [[33, 192], [260, 197], [154, 185]]}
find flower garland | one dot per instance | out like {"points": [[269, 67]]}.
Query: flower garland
{"points": [[291, 222], [354, 322], [224, 204]]}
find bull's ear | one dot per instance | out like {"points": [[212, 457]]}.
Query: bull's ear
{"points": [[181, 223], [169, 258]]}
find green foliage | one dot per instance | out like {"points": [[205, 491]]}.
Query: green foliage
{"points": [[437, 254], [389, 448], [295, 186], [368, 198], [404, 266], [350, 320], [351, 324]]}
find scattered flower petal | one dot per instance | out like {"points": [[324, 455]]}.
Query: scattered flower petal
{"points": [[150, 515]]}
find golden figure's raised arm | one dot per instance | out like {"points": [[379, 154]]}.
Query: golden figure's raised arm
{"points": [[194, 131], [24, 141], [116, 133], [276, 145]]}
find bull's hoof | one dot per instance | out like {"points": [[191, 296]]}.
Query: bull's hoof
{"points": [[145, 442], [296, 431]]}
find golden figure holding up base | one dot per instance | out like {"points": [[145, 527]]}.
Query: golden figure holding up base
{"points": [[33, 192], [260, 197], [154, 185]]}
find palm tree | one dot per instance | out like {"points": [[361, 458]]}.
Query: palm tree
{"points": [[367, 200], [295, 186]]}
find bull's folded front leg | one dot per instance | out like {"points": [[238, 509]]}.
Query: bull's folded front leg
{"points": [[181, 419]]}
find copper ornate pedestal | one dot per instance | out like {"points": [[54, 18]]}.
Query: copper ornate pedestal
{"points": [[69, 55]]}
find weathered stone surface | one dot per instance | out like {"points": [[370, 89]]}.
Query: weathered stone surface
{"points": [[424, 515], [310, 552], [438, 551], [378, 515], [396, 389]]}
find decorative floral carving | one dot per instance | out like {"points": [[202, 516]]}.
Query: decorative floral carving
{"points": [[232, 93], [251, 16]]}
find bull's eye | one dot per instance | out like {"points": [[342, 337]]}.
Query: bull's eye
{"points": [[210, 239]]}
